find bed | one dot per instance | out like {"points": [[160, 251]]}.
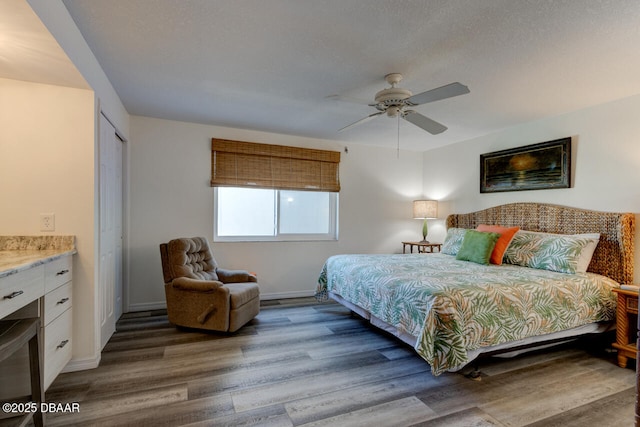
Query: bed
{"points": [[451, 310]]}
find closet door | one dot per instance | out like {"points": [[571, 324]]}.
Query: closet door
{"points": [[110, 256]]}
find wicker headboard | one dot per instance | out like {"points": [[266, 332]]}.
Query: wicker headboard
{"points": [[614, 254]]}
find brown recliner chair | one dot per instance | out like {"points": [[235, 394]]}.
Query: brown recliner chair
{"points": [[201, 295]]}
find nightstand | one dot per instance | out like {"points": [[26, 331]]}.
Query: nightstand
{"points": [[626, 325], [422, 246]]}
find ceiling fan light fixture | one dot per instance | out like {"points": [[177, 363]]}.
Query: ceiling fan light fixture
{"points": [[394, 110]]}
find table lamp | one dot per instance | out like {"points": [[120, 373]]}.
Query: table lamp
{"points": [[425, 209]]}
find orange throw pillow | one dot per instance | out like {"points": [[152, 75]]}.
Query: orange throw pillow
{"points": [[506, 235]]}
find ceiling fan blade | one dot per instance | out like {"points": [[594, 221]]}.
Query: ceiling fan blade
{"points": [[423, 122], [442, 92], [366, 119]]}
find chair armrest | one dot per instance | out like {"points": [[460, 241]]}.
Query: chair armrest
{"points": [[235, 276], [195, 285]]}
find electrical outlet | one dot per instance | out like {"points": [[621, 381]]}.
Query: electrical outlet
{"points": [[47, 222]]}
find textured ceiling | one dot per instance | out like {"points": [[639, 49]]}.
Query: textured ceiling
{"points": [[271, 65]]}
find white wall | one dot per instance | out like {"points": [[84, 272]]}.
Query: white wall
{"points": [[46, 165], [606, 157], [171, 197]]}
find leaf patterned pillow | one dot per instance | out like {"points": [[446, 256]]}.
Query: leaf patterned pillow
{"points": [[554, 252], [453, 241]]}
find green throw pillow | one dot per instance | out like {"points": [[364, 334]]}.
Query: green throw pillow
{"points": [[477, 246]]}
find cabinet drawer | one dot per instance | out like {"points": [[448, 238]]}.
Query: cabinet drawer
{"points": [[632, 304], [56, 302], [18, 290], [57, 346], [57, 272]]}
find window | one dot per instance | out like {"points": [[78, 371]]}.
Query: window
{"points": [[253, 214], [266, 192]]}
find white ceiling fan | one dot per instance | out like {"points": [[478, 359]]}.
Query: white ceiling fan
{"points": [[397, 102]]}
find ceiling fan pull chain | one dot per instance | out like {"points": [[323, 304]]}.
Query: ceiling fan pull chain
{"points": [[398, 146]]}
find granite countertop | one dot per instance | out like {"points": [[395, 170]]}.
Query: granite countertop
{"points": [[19, 253], [12, 262]]}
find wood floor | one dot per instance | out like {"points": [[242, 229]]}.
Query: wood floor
{"points": [[302, 363]]}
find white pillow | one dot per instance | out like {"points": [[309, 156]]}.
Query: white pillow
{"points": [[587, 252]]}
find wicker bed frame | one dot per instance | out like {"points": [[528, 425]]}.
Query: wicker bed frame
{"points": [[614, 254]]}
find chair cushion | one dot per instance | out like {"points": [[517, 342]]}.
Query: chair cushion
{"points": [[242, 293], [191, 257]]}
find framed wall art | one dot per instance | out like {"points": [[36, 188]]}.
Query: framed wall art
{"points": [[533, 167]]}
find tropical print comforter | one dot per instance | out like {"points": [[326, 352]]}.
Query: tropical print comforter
{"points": [[453, 307]]}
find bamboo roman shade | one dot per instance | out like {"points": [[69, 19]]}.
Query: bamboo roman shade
{"points": [[248, 164]]}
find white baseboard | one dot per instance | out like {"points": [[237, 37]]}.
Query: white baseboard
{"points": [[147, 306], [285, 295], [161, 305], [82, 364]]}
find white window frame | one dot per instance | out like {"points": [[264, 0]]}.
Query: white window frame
{"points": [[331, 235]]}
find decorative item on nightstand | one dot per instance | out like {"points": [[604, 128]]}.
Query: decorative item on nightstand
{"points": [[425, 209]]}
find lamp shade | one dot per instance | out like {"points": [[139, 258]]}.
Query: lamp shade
{"points": [[425, 209]]}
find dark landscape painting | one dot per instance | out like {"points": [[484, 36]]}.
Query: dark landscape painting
{"points": [[532, 167]]}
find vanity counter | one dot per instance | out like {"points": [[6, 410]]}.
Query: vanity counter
{"points": [[20, 253], [12, 262]]}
